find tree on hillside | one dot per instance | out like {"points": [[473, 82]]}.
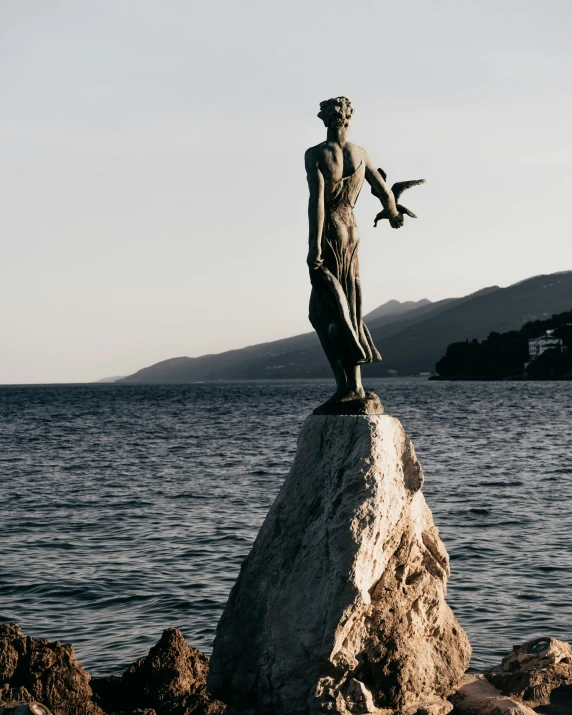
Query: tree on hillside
{"points": [[503, 355], [499, 356], [551, 365]]}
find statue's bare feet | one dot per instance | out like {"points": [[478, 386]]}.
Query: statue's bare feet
{"points": [[351, 402], [347, 395]]}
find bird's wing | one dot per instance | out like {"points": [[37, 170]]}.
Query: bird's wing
{"points": [[404, 210], [400, 186], [383, 174]]}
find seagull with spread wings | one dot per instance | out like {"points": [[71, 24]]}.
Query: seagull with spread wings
{"points": [[397, 189]]}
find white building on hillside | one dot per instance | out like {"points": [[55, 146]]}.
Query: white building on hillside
{"points": [[537, 346]]}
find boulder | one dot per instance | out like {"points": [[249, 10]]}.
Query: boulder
{"points": [[340, 606], [533, 671], [170, 680], [536, 654], [477, 696], [40, 671]]}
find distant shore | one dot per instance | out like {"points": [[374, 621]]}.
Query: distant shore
{"points": [[516, 378]]}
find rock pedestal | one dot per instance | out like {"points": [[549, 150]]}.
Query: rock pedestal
{"points": [[340, 606]]}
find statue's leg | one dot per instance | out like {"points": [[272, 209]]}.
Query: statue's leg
{"points": [[337, 369], [353, 377], [341, 382]]}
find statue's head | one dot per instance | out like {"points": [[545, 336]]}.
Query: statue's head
{"points": [[336, 112]]}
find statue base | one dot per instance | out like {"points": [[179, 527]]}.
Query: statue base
{"points": [[339, 608], [368, 405]]}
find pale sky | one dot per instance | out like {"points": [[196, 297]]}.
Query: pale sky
{"points": [[152, 178]]}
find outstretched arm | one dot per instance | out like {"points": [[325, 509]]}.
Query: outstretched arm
{"points": [[315, 210], [380, 189]]}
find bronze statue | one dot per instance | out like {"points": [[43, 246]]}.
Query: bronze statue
{"points": [[336, 170]]}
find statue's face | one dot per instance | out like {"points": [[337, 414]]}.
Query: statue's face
{"points": [[341, 122], [334, 113]]}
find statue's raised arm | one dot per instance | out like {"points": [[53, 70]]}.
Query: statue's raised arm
{"points": [[380, 189], [336, 170]]}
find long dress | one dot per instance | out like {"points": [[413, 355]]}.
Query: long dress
{"points": [[336, 299]]}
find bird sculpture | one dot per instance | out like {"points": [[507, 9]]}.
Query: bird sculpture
{"points": [[397, 189]]}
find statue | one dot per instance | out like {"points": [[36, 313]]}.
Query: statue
{"points": [[336, 170]]}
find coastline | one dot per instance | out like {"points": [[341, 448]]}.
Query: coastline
{"points": [[516, 378], [535, 677]]}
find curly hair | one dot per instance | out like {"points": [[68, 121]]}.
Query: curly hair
{"points": [[336, 112]]}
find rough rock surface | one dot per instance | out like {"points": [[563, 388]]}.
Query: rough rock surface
{"points": [[534, 670], [32, 669], [536, 654], [170, 680], [340, 606], [477, 696]]}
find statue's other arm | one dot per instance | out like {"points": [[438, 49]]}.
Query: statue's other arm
{"points": [[380, 189], [315, 209]]}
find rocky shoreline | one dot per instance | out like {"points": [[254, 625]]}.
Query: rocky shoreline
{"points": [[39, 677], [170, 680]]}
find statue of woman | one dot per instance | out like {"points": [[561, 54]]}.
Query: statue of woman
{"points": [[336, 170]]}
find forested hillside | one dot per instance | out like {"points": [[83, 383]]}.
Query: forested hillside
{"points": [[504, 355]]}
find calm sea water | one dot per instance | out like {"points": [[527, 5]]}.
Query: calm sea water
{"points": [[128, 509]]}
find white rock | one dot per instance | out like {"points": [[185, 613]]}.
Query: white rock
{"points": [[340, 606]]}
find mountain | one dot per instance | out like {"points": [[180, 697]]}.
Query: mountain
{"points": [[110, 379], [413, 348], [209, 367], [409, 342], [394, 307]]}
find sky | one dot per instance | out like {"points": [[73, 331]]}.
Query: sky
{"points": [[154, 200]]}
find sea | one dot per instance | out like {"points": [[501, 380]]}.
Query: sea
{"points": [[127, 509]]}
